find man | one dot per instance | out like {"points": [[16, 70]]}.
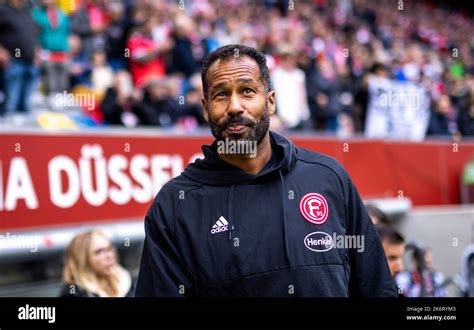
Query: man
{"points": [[394, 246], [146, 54], [19, 54], [258, 223], [54, 30], [290, 89]]}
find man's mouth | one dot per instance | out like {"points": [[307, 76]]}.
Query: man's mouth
{"points": [[235, 128]]}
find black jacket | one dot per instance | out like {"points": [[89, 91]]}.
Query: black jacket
{"points": [[18, 32], [438, 124], [216, 230]]}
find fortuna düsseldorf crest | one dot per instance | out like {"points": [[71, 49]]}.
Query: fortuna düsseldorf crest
{"points": [[314, 208]]}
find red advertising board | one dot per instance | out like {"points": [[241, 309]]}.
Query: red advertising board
{"points": [[52, 180]]}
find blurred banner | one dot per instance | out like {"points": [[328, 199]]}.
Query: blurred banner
{"points": [[50, 180], [59, 180], [397, 110]]}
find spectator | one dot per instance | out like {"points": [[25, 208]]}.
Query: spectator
{"points": [[4, 57], [467, 272], [466, 118], [442, 117], [79, 65], [102, 75], [209, 39], [91, 269], [158, 108], [361, 94], [423, 281], [194, 95], [146, 55], [116, 36], [88, 22], [288, 82], [326, 88], [394, 247], [182, 57], [54, 30], [119, 102], [19, 54]]}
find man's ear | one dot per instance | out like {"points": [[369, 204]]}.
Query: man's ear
{"points": [[271, 102], [205, 109]]}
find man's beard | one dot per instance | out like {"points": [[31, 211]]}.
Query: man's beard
{"points": [[257, 130]]}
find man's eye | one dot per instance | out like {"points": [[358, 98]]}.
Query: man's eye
{"points": [[248, 90], [219, 94]]}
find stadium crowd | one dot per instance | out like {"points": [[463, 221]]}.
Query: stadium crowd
{"points": [[141, 59]]}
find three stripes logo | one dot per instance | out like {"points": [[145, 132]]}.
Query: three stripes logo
{"points": [[220, 226]]}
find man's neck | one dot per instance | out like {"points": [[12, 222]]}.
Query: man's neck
{"points": [[251, 165]]}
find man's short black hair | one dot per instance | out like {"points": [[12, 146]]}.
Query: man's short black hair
{"points": [[235, 51], [389, 235]]}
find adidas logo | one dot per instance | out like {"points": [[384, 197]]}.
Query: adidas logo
{"points": [[220, 226]]}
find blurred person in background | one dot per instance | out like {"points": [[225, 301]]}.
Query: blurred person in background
{"points": [[209, 37], [325, 87], [467, 272], [289, 83], [146, 55], [19, 54], [116, 35], [192, 114], [442, 120], [4, 58], [394, 246], [186, 42], [89, 21], [158, 107], [102, 75], [54, 31], [92, 270], [361, 93], [79, 65], [466, 117], [120, 101], [423, 281]]}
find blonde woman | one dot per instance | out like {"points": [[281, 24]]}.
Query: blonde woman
{"points": [[91, 268]]}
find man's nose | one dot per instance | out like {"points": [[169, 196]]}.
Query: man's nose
{"points": [[235, 105]]}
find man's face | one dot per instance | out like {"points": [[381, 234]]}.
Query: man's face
{"points": [[394, 254], [236, 106]]}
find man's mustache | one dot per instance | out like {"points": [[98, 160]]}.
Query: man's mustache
{"points": [[237, 121]]}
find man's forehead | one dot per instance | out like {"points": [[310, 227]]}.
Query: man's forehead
{"points": [[393, 247], [231, 67]]}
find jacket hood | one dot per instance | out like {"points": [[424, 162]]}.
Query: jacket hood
{"points": [[212, 170]]}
